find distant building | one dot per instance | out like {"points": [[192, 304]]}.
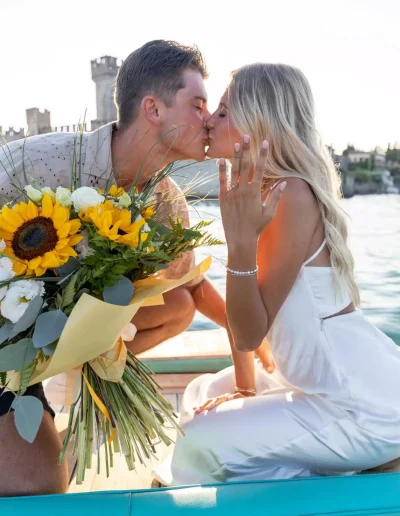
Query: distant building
{"points": [[104, 72]]}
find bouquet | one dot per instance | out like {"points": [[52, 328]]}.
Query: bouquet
{"points": [[76, 264]]}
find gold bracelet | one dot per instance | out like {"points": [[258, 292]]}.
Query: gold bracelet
{"points": [[247, 392]]}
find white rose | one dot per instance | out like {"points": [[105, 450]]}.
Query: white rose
{"points": [[6, 273], [48, 190], [33, 194], [124, 201], [85, 197], [18, 297], [3, 245], [63, 197]]}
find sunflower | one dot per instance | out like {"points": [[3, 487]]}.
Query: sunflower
{"points": [[116, 224], [38, 238]]}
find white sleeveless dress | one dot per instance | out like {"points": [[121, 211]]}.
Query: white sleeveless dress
{"points": [[331, 407]]}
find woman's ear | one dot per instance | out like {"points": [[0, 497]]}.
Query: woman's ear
{"points": [[150, 107]]}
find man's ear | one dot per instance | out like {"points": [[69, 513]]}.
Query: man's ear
{"points": [[152, 108]]}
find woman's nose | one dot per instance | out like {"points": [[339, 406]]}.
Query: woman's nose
{"points": [[209, 122]]}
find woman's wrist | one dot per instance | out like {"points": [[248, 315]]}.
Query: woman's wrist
{"points": [[242, 256], [246, 391]]}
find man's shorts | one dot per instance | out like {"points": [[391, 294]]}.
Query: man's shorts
{"points": [[7, 397]]}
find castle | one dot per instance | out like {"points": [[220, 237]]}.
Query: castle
{"points": [[104, 72]]}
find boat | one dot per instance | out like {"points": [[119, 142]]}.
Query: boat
{"points": [[175, 363]]}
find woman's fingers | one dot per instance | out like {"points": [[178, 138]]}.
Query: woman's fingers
{"points": [[270, 209], [260, 165], [235, 170], [223, 182], [206, 406], [245, 162], [212, 403]]}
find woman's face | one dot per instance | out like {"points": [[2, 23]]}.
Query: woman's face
{"points": [[222, 133]]}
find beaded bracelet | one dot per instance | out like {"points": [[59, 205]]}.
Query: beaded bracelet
{"points": [[249, 392], [242, 273]]}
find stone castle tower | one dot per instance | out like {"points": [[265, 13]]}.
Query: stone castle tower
{"points": [[38, 121], [104, 72]]}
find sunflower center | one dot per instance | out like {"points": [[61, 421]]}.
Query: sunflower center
{"points": [[121, 232], [34, 238]]}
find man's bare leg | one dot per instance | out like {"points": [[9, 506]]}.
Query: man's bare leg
{"points": [[155, 324], [31, 469]]}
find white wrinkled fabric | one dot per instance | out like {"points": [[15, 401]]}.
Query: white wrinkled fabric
{"points": [[331, 407]]}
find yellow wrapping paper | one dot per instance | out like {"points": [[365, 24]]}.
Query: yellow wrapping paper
{"points": [[94, 327]]}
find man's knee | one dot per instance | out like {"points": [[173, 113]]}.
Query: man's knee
{"points": [[181, 302], [31, 468], [183, 309]]}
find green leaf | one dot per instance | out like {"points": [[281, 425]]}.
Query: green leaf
{"points": [[26, 375], [71, 266], [17, 356], [120, 293], [59, 300], [48, 328], [190, 235], [29, 316], [5, 331], [119, 269], [69, 292], [3, 378], [156, 265], [160, 228], [50, 349], [27, 416]]}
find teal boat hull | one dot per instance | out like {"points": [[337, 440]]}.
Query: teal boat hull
{"points": [[345, 496]]}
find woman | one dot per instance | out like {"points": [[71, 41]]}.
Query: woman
{"points": [[332, 404]]}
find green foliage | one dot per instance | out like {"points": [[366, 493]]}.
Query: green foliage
{"points": [[26, 375], [3, 378], [69, 292]]}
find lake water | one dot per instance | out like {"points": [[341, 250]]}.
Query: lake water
{"points": [[375, 242]]}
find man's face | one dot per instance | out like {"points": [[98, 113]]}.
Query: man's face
{"points": [[183, 123]]}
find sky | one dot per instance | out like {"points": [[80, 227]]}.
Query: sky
{"points": [[348, 49]]}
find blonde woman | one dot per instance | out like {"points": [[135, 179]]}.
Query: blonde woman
{"points": [[332, 404]]}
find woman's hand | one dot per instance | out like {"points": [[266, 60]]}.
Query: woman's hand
{"points": [[214, 402], [244, 208], [264, 353]]}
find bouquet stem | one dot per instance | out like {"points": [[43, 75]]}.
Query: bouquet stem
{"points": [[128, 416]]}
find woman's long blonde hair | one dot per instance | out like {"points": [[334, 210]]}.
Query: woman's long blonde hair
{"points": [[274, 102]]}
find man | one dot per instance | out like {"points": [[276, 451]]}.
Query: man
{"points": [[162, 108]]}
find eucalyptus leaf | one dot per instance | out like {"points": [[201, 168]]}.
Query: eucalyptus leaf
{"points": [[17, 356], [120, 293], [5, 331], [71, 266], [28, 414], [29, 317], [48, 328], [50, 349]]}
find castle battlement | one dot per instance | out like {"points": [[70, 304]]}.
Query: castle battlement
{"points": [[11, 134], [106, 65]]}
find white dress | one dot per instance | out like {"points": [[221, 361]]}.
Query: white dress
{"points": [[331, 407]]}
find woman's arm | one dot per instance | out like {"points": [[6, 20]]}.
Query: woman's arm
{"points": [[253, 303]]}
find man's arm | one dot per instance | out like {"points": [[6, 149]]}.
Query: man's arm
{"points": [[209, 301]]}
